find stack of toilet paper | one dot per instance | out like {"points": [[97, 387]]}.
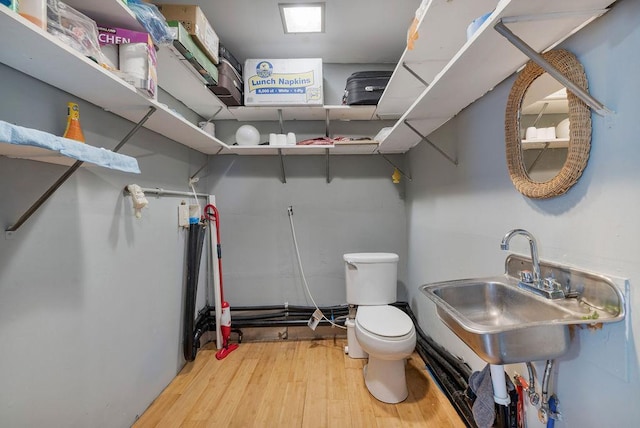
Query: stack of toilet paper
{"points": [[282, 139], [546, 134]]}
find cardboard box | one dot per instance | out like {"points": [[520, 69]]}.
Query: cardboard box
{"points": [[118, 36], [184, 46], [139, 70], [196, 24], [283, 82]]}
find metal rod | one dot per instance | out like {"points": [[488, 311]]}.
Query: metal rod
{"points": [[594, 13], [282, 172], [68, 173], [408, 177], [327, 124], [544, 107], [198, 171], [281, 121], [596, 105], [535, 161], [450, 159], [159, 191], [215, 114], [135, 129], [327, 158], [414, 74]]}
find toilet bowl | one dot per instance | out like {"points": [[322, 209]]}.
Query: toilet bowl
{"points": [[387, 334]]}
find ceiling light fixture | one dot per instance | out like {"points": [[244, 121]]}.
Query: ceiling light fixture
{"points": [[302, 17]]}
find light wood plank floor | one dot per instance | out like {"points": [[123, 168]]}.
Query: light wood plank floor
{"points": [[292, 384]]}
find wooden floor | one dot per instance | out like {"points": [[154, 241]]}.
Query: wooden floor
{"points": [[292, 384]]}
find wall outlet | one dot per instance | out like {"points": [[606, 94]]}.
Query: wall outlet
{"points": [[183, 215]]}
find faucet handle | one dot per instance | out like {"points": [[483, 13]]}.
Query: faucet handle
{"points": [[550, 283], [526, 276]]}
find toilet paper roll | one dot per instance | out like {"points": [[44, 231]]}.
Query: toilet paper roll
{"points": [[208, 127], [281, 139], [550, 133], [531, 133], [111, 52], [134, 60], [291, 139], [272, 139]]}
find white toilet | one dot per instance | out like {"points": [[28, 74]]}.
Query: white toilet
{"points": [[384, 332]]}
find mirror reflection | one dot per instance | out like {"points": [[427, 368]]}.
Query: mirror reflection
{"points": [[544, 128]]}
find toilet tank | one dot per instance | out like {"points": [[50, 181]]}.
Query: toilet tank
{"points": [[371, 278]]}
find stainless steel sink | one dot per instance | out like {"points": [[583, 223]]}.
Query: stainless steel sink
{"points": [[505, 324]]}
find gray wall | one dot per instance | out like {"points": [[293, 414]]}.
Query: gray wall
{"points": [[458, 215], [90, 297], [360, 210]]}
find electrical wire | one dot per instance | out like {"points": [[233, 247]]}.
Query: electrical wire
{"points": [[195, 195], [304, 279]]}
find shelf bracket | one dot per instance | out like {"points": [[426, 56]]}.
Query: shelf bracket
{"points": [[327, 124], [423, 138], [408, 177], [281, 121], [69, 172], [593, 103], [282, 173], [414, 74], [215, 114], [535, 161], [326, 153]]}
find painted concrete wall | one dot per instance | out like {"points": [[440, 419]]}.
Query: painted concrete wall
{"points": [[90, 297], [360, 210], [458, 215]]}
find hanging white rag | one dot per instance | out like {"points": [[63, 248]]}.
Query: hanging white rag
{"points": [[138, 198]]}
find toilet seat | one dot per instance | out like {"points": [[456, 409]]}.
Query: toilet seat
{"points": [[387, 322]]}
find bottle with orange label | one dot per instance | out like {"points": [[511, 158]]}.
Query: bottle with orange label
{"points": [[73, 131], [35, 11]]}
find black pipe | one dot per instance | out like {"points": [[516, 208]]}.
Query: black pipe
{"points": [[455, 395], [301, 315], [277, 323], [462, 367], [442, 362], [311, 309], [195, 243]]}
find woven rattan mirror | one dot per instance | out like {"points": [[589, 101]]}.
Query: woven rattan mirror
{"points": [[575, 152]]}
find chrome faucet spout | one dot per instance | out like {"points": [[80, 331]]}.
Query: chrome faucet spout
{"points": [[533, 246]]}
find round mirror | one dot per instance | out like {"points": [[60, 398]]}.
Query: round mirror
{"points": [[547, 128]]}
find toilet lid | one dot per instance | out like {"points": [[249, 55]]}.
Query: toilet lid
{"points": [[387, 321]]}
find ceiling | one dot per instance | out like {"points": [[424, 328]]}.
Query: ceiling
{"points": [[356, 31]]}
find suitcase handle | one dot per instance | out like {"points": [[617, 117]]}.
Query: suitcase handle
{"points": [[374, 88]]}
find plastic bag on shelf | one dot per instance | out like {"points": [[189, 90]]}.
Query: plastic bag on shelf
{"points": [[75, 30], [153, 21]]}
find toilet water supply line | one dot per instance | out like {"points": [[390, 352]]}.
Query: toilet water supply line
{"points": [[318, 314]]}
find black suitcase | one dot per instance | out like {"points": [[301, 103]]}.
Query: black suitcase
{"points": [[229, 87], [223, 53], [365, 87]]}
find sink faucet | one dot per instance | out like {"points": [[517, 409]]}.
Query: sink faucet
{"points": [[547, 287], [534, 251]]}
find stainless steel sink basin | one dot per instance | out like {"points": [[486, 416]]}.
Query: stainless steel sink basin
{"points": [[505, 324]]}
